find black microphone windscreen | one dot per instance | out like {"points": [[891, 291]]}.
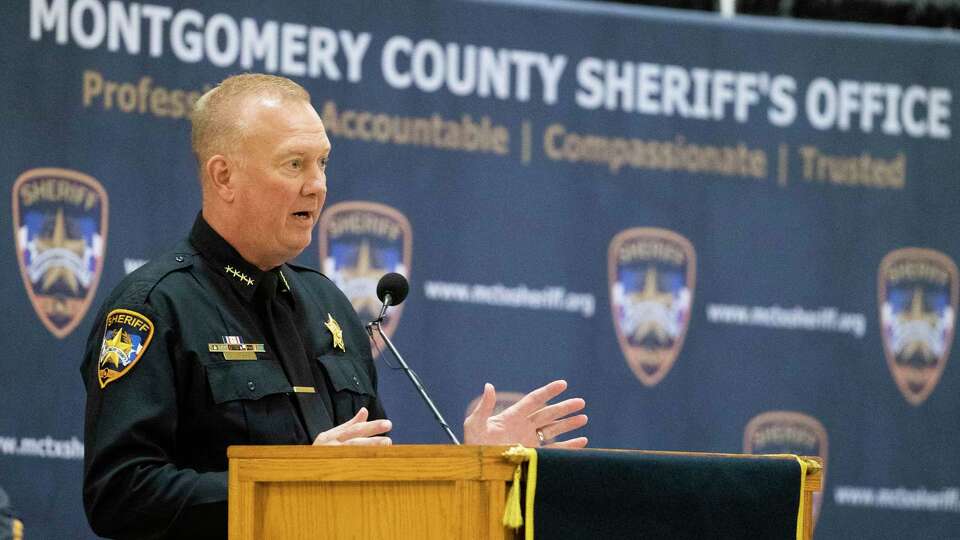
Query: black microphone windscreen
{"points": [[395, 285]]}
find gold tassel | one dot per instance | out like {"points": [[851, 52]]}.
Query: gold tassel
{"points": [[801, 530], [801, 508], [512, 515]]}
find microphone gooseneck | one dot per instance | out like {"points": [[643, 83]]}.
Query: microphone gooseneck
{"points": [[392, 290]]}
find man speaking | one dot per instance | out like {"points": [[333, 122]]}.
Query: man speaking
{"points": [[223, 341]]}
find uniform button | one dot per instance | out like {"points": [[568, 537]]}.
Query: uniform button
{"points": [[179, 258], [251, 385]]}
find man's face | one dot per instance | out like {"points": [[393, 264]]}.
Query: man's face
{"points": [[281, 181]]}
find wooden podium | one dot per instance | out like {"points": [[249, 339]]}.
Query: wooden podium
{"points": [[426, 492], [422, 491]]}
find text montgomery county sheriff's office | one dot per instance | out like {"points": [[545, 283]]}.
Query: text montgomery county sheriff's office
{"points": [[638, 86]]}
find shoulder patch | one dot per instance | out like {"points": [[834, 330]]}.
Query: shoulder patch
{"points": [[125, 339]]}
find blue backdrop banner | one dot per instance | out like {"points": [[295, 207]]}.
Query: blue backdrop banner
{"points": [[727, 235]]}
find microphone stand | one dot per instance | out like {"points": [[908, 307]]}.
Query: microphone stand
{"points": [[413, 376]]}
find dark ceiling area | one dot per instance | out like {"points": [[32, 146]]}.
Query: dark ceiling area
{"points": [[927, 13]]}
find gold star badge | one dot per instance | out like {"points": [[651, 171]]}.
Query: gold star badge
{"points": [[116, 347], [337, 333]]}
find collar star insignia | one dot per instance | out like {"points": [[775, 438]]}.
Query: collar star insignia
{"points": [[238, 274], [337, 333]]}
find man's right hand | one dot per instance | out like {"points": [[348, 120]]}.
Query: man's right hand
{"points": [[357, 431]]}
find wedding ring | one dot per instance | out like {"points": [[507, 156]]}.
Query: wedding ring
{"points": [[540, 435]]}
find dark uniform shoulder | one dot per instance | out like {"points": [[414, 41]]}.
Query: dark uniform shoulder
{"points": [[136, 287], [310, 273], [130, 296], [318, 282]]}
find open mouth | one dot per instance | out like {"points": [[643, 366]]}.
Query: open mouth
{"points": [[303, 215]]}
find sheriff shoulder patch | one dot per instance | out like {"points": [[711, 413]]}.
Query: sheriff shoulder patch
{"points": [[125, 339]]}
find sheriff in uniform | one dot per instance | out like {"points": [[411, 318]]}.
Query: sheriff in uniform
{"points": [[222, 341]]}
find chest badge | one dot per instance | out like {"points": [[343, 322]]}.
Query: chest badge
{"points": [[334, 327], [233, 348]]}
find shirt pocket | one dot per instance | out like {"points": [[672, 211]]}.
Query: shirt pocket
{"points": [[350, 383], [254, 397]]}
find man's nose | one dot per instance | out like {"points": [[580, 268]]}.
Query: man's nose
{"points": [[316, 184]]}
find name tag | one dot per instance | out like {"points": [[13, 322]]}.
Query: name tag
{"points": [[237, 351]]}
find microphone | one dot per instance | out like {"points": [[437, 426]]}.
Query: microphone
{"points": [[392, 290]]}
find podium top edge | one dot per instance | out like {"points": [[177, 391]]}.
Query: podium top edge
{"points": [[399, 451], [813, 463]]}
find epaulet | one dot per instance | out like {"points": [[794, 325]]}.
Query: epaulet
{"points": [[303, 268], [137, 286]]}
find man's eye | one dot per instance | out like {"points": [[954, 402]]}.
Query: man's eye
{"points": [[296, 164], [323, 162]]}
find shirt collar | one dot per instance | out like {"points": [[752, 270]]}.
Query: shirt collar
{"points": [[226, 261]]}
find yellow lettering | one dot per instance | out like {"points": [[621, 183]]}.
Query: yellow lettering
{"points": [[651, 250], [57, 190], [92, 86], [864, 170], [918, 271]]}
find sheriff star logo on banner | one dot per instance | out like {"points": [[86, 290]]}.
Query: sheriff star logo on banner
{"points": [[917, 297], [652, 274], [60, 229], [360, 242]]}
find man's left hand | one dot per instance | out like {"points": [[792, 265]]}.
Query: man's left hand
{"points": [[521, 422]]}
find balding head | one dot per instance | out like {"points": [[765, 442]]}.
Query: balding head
{"points": [[216, 120], [262, 151]]}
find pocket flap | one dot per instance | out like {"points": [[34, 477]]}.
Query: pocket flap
{"points": [[246, 380], [346, 374]]}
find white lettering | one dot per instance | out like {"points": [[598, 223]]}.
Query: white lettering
{"points": [[258, 44], [123, 24], [157, 16], [187, 45], [323, 50], [95, 37], [388, 61], [821, 89], [226, 56], [589, 94], [292, 41], [354, 48], [45, 16]]}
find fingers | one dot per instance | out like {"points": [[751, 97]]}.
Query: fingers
{"points": [[555, 429], [364, 430], [370, 441], [551, 413], [361, 416], [332, 435], [536, 399], [579, 442], [484, 409], [355, 431]]}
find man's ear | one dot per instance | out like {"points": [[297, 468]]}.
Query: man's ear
{"points": [[219, 172]]}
